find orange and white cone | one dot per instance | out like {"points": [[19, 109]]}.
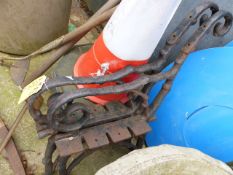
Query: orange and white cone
{"points": [[129, 38]]}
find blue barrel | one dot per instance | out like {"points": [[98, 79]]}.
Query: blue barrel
{"points": [[198, 111], [230, 44]]}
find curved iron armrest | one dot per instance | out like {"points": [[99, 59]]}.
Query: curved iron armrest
{"points": [[149, 74], [61, 105]]}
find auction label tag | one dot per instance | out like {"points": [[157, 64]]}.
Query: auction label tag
{"points": [[32, 88]]}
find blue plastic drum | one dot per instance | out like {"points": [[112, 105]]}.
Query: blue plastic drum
{"points": [[230, 44], [198, 111]]}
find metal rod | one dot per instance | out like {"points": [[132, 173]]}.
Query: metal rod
{"points": [[12, 129]]}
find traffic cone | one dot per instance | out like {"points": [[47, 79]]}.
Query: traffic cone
{"points": [[129, 38]]}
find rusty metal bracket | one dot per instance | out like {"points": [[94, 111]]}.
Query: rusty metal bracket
{"points": [[101, 135], [149, 74], [11, 152], [61, 144], [76, 128]]}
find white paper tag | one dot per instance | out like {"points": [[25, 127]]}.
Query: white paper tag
{"points": [[32, 88]]}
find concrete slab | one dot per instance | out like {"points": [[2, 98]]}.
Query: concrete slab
{"points": [[25, 135]]}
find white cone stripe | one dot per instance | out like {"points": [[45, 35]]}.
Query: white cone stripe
{"points": [[137, 26]]}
